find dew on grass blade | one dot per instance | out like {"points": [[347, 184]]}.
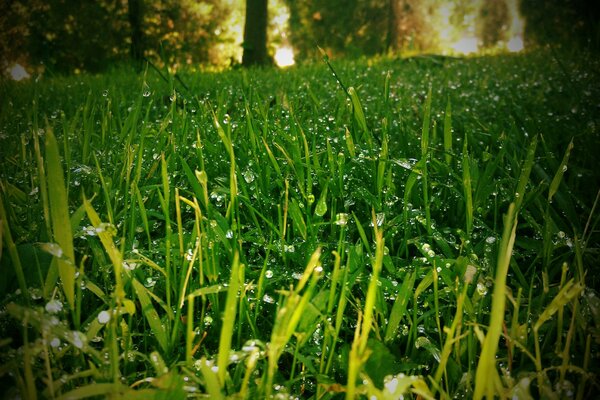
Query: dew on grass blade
{"points": [[54, 306], [52, 248], [268, 299], [103, 317], [341, 219]]}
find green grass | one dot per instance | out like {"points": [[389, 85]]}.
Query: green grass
{"points": [[416, 227]]}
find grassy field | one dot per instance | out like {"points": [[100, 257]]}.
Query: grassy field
{"points": [[425, 227]]}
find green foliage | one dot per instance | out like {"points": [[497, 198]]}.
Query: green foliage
{"points": [[272, 233]]}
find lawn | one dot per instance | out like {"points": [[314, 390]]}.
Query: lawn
{"points": [[425, 227]]}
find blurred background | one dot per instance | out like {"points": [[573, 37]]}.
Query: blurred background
{"points": [[72, 36]]}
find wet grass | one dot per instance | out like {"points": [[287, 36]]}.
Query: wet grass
{"points": [[421, 227]]}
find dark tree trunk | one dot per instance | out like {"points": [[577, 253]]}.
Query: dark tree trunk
{"points": [[255, 33], [136, 18], [392, 28]]}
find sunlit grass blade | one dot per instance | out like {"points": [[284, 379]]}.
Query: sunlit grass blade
{"points": [[486, 377], [359, 353], [105, 234], [59, 212], [94, 390], [229, 316], [289, 315]]}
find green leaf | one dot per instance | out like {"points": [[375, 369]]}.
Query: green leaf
{"points": [[61, 223], [399, 307], [321, 207], [151, 315], [94, 389], [359, 114], [560, 172], [381, 362]]}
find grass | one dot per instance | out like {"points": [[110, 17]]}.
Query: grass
{"points": [[416, 227]]}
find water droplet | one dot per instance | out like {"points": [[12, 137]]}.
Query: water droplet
{"points": [[53, 249], [341, 219], [490, 240], [103, 317], [268, 299], [54, 306], [248, 176]]}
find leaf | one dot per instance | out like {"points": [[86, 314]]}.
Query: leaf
{"points": [[399, 307], [564, 297], [381, 362], [296, 215], [321, 207], [94, 389], [229, 314], [109, 246], [151, 315], [59, 213], [359, 114], [560, 172]]}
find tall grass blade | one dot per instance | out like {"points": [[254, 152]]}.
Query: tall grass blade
{"points": [[59, 212], [467, 187], [448, 134], [560, 172], [399, 307], [7, 240], [229, 315], [487, 381], [525, 172], [105, 234], [151, 315]]}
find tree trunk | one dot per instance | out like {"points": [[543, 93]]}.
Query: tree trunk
{"points": [[136, 18], [393, 33], [255, 33]]}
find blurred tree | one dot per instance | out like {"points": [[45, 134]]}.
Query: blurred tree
{"points": [[568, 22], [14, 32], [493, 22], [255, 33], [136, 24], [344, 27], [180, 32], [70, 35], [408, 28]]}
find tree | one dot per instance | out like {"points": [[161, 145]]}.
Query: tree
{"points": [[341, 27], [136, 18], [255, 33], [568, 22], [493, 22]]}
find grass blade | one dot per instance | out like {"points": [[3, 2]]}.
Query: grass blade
{"points": [[59, 212], [151, 315], [229, 315], [560, 172], [448, 134], [486, 377]]}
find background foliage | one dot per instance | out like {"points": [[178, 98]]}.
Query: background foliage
{"points": [[71, 36]]}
